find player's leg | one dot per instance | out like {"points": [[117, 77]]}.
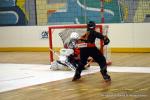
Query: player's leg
{"points": [[101, 60], [83, 60]]}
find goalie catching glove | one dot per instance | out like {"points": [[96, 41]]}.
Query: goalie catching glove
{"points": [[106, 40]]}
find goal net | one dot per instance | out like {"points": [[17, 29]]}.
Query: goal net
{"points": [[60, 34]]}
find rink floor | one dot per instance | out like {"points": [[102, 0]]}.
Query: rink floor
{"points": [[15, 76]]}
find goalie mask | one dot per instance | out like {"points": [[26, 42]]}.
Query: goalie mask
{"points": [[74, 35]]}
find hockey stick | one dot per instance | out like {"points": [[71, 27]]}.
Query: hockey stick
{"points": [[54, 52], [88, 64], [68, 64]]}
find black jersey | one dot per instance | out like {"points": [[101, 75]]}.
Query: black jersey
{"points": [[91, 35]]}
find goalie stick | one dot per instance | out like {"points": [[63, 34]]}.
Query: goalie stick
{"points": [[89, 62], [54, 52], [68, 64]]}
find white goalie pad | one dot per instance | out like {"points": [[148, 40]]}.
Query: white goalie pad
{"points": [[57, 66], [66, 52], [63, 59], [62, 63]]}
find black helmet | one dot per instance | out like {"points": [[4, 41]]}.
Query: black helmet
{"points": [[91, 25]]}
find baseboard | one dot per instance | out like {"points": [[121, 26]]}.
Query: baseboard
{"points": [[46, 49], [24, 49], [130, 50]]}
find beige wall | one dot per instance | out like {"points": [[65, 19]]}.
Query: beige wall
{"points": [[129, 35]]}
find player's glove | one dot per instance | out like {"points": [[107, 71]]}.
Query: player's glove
{"points": [[106, 40]]}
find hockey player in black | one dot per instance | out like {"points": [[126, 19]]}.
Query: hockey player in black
{"points": [[92, 51]]}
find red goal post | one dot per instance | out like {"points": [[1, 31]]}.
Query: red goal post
{"points": [[56, 29]]}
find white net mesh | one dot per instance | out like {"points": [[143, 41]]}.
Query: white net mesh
{"points": [[65, 34]]}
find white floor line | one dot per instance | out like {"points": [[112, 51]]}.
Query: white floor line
{"points": [[14, 76], [129, 69]]}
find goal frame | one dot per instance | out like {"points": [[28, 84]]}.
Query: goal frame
{"points": [[50, 28]]}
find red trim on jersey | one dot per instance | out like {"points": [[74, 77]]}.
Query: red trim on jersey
{"points": [[83, 45]]}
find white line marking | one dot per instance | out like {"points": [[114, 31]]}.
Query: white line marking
{"points": [[129, 69], [14, 76]]}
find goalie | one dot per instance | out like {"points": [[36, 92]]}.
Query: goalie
{"points": [[69, 56]]}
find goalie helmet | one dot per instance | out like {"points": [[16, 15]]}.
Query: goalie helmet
{"points": [[74, 35], [91, 25]]}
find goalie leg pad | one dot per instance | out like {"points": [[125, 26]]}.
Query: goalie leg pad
{"points": [[58, 66]]}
